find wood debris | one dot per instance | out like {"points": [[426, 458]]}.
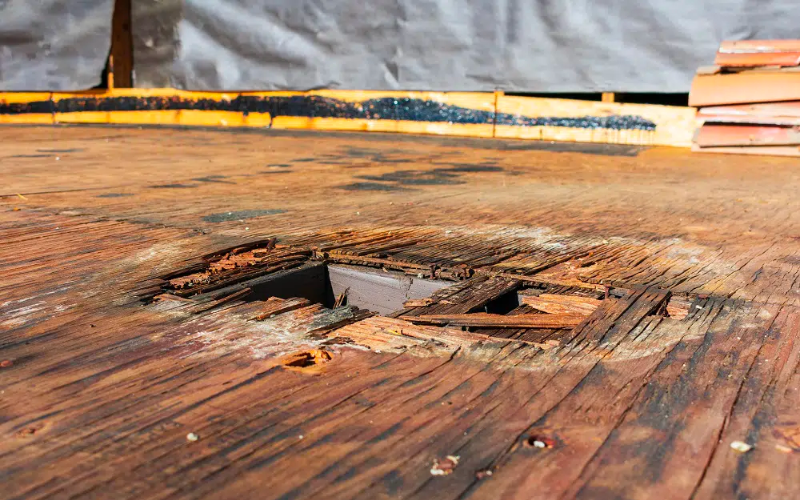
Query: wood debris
{"points": [[678, 307], [445, 466], [741, 446], [418, 302], [341, 299]]}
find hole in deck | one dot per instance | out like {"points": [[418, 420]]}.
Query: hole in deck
{"points": [[288, 277], [503, 304], [375, 290]]}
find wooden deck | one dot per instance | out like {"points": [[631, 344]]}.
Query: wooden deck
{"points": [[137, 362]]}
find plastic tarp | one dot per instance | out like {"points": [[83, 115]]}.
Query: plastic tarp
{"points": [[53, 44], [480, 45]]}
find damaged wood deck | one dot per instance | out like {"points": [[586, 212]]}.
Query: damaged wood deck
{"points": [[576, 321]]}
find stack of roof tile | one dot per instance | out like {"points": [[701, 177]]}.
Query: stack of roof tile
{"points": [[750, 100]]}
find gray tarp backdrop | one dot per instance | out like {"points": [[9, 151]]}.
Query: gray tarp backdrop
{"points": [[53, 44], [512, 45]]}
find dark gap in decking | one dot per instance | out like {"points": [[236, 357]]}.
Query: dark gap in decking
{"points": [[375, 290]]}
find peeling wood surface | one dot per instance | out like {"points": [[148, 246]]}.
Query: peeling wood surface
{"points": [[684, 272], [500, 321]]}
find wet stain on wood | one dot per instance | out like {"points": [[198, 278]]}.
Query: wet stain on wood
{"points": [[174, 185], [214, 179], [416, 177], [114, 195], [241, 215], [372, 186]]}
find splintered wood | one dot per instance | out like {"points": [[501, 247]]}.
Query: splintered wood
{"points": [[561, 304], [274, 306], [500, 321], [596, 322], [678, 307]]}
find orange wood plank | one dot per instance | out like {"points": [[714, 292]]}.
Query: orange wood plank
{"points": [[711, 135], [737, 59], [792, 151], [746, 135], [561, 304], [743, 88], [766, 109]]}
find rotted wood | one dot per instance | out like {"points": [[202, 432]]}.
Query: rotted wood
{"points": [[216, 303], [470, 297], [561, 304], [274, 306], [485, 320]]}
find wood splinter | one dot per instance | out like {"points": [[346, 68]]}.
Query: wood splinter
{"points": [[340, 300]]}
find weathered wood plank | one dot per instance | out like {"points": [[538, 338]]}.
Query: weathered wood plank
{"points": [[563, 320], [693, 344], [561, 304]]}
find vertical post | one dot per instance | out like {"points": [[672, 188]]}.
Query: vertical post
{"points": [[110, 73], [608, 97], [122, 45]]}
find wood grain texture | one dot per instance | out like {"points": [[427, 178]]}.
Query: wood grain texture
{"points": [[105, 369]]}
